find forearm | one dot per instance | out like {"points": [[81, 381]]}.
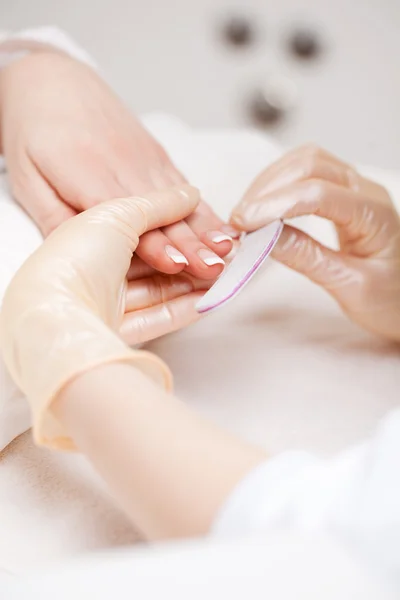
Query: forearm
{"points": [[42, 40], [169, 469]]}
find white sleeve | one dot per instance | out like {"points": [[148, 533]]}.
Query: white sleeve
{"points": [[355, 497], [16, 45]]}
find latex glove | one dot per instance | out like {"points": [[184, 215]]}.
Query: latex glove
{"points": [[63, 309], [157, 304], [364, 274], [70, 143]]}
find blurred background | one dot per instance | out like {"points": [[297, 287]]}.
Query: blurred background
{"points": [[302, 70]]}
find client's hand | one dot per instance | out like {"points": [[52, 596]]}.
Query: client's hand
{"points": [[62, 312], [364, 275], [70, 143]]}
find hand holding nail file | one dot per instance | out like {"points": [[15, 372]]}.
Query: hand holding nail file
{"points": [[255, 248]]}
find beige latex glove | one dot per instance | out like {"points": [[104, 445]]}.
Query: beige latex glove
{"points": [[63, 308], [364, 275]]}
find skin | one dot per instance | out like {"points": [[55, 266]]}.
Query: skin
{"points": [[70, 143], [171, 474], [73, 294]]}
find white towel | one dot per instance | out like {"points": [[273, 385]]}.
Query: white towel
{"points": [[281, 366]]}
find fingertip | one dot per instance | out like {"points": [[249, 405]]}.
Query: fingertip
{"points": [[233, 232], [155, 250], [188, 192], [172, 263], [205, 271], [166, 266], [238, 222], [251, 217], [184, 309], [218, 242], [169, 268], [177, 257]]}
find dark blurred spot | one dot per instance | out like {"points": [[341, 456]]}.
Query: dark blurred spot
{"points": [[238, 31], [263, 112], [305, 44]]}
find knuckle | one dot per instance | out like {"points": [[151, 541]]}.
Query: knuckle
{"points": [[20, 179], [86, 199], [139, 329], [167, 318], [142, 207], [157, 289], [204, 210], [310, 166], [312, 150], [316, 189], [162, 156], [48, 222], [46, 219], [18, 188]]}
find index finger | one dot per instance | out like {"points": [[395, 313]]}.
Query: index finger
{"points": [[356, 215]]}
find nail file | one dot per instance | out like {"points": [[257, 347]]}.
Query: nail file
{"points": [[255, 248]]}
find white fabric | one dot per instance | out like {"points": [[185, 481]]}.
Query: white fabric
{"points": [[16, 45], [355, 497], [279, 567]]}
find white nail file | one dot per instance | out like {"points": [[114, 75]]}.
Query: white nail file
{"points": [[255, 248]]}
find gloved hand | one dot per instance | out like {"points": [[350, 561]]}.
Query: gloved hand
{"points": [[364, 275], [70, 143], [62, 311]]}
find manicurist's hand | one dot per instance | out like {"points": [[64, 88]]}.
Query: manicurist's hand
{"points": [[168, 468], [364, 274], [64, 310]]}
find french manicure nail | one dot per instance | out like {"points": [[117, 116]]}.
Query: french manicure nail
{"points": [[231, 231], [218, 236], [177, 257], [209, 258]]}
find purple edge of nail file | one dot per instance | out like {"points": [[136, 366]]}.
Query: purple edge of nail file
{"points": [[254, 250]]}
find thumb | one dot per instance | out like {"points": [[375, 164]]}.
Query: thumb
{"points": [[139, 214], [327, 268]]}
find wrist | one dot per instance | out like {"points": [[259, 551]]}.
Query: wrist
{"points": [[93, 392], [27, 71], [167, 467], [46, 348]]}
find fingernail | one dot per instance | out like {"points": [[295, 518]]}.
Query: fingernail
{"points": [[209, 258], [231, 231], [217, 237], [237, 219], [177, 257]]}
